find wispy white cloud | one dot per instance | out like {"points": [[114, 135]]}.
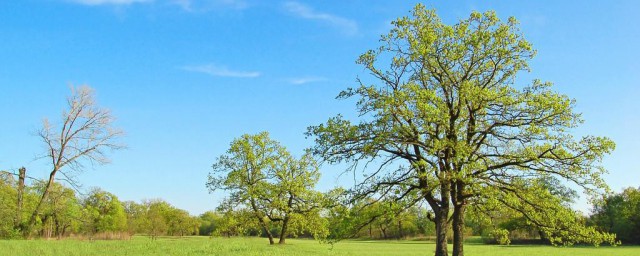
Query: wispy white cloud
{"points": [[207, 5], [235, 4], [187, 5], [109, 2], [346, 25], [305, 80], [222, 71], [184, 4]]}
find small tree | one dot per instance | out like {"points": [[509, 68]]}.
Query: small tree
{"points": [[261, 175], [105, 211], [85, 134], [156, 222], [210, 222], [136, 217]]}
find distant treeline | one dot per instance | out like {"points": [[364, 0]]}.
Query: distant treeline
{"points": [[101, 215], [96, 215]]}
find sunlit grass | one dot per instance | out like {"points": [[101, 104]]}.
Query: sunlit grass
{"points": [[259, 246]]}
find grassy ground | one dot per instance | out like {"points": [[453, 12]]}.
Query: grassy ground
{"points": [[259, 246]]}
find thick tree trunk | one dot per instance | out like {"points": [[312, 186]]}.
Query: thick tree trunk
{"points": [[283, 231], [458, 229], [441, 219], [440, 209], [459, 206], [261, 221], [22, 174], [441, 233], [269, 235], [266, 230]]}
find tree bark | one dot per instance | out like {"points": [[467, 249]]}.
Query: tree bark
{"points": [[283, 231], [22, 173], [441, 232], [441, 217], [458, 229], [269, 235], [459, 206]]}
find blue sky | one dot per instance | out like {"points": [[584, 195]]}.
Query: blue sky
{"points": [[185, 77]]}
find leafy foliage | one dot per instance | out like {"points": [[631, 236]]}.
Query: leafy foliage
{"points": [[62, 211], [157, 217], [261, 175], [105, 212], [210, 222], [619, 214], [8, 195], [500, 236]]}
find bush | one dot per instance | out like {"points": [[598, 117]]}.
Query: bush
{"points": [[10, 234], [497, 236]]}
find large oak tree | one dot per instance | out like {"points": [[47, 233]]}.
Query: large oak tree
{"points": [[447, 123]]}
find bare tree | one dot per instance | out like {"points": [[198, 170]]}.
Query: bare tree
{"points": [[84, 136]]}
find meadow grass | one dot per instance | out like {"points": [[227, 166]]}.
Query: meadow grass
{"points": [[259, 246]]}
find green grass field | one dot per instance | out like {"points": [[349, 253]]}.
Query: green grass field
{"points": [[259, 246]]}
